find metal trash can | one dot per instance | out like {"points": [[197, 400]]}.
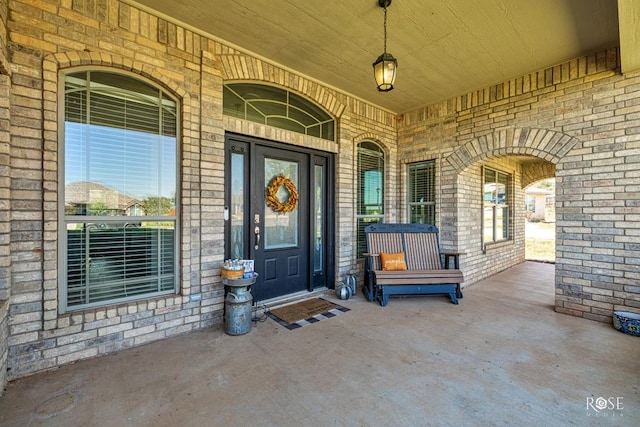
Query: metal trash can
{"points": [[238, 306]]}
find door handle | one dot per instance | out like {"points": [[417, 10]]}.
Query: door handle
{"points": [[256, 231]]}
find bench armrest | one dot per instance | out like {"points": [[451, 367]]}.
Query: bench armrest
{"points": [[456, 259], [368, 261]]}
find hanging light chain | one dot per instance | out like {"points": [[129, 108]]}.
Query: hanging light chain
{"points": [[385, 29]]}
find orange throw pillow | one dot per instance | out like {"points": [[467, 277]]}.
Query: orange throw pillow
{"points": [[393, 261]]}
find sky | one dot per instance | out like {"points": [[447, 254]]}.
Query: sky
{"points": [[134, 163]]}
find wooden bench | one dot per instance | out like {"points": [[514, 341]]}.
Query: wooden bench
{"points": [[424, 274]]}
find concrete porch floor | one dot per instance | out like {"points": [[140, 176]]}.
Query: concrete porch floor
{"points": [[501, 357]]}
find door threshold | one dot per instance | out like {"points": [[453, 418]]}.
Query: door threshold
{"points": [[291, 298]]}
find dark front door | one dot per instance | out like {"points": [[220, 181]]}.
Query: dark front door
{"points": [[284, 234], [281, 246]]}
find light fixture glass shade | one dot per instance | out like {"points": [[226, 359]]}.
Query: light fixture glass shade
{"points": [[384, 71]]}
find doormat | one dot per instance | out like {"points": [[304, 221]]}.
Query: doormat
{"points": [[306, 312]]}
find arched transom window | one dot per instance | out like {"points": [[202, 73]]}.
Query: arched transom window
{"points": [[277, 107]]}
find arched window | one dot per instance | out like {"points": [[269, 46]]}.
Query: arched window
{"points": [[118, 190], [277, 107], [370, 200]]}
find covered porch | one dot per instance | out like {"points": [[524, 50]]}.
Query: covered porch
{"points": [[143, 144], [504, 356]]}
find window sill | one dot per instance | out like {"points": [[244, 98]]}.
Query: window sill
{"points": [[488, 247]]}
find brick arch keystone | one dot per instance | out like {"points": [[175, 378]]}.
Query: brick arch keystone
{"points": [[545, 144]]}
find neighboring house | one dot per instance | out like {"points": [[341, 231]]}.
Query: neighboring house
{"points": [[539, 204], [134, 209], [108, 84], [82, 196]]}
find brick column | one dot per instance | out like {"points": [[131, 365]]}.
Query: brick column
{"points": [[5, 194], [211, 194], [5, 228]]}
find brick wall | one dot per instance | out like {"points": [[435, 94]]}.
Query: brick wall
{"points": [[47, 37], [4, 343], [481, 262], [4, 11], [579, 120], [5, 189], [5, 199]]}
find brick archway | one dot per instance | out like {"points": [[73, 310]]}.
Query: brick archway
{"points": [[60, 61], [550, 147], [536, 172], [542, 143]]}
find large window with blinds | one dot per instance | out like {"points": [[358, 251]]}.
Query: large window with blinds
{"points": [[421, 187], [118, 187], [370, 198], [496, 205]]}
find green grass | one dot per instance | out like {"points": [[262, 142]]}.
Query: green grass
{"points": [[540, 250], [540, 242]]}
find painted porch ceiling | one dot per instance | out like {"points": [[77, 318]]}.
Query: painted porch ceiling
{"points": [[444, 47]]}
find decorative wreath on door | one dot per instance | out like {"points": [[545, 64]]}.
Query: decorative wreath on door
{"points": [[272, 198]]}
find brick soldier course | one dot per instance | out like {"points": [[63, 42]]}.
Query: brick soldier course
{"points": [[580, 120]]}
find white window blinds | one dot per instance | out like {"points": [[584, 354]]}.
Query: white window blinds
{"points": [[421, 189], [370, 200], [120, 190]]}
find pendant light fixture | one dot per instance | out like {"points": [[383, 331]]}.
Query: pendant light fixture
{"points": [[384, 69]]}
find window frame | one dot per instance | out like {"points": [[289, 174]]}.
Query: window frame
{"points": [[495, 206], [361, 218], [431, 164], [64, 219], [278, 107]]}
